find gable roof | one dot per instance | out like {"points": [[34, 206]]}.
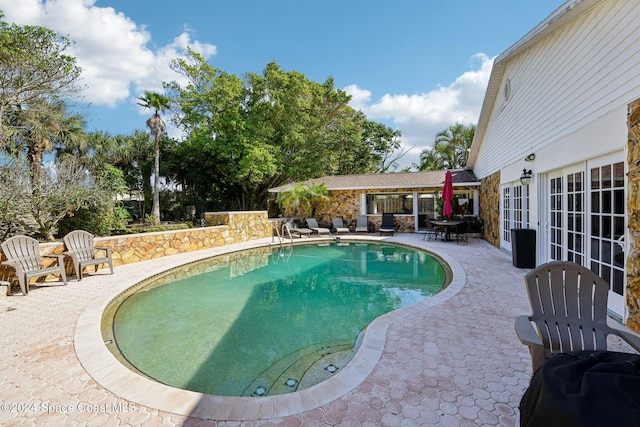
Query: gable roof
{"points": [[567, 12], [426, 179]]}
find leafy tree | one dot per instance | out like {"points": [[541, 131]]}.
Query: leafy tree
{"points": [[65, 187], [14, 193], [39, 129], [101, 213], [383, 144], [430, 160], [451, 149], [159, 103], [134, 156], [247, 135], [304, 199], [36, 76]]}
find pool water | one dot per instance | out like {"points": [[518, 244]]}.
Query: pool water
{"points": [[267, 321]]}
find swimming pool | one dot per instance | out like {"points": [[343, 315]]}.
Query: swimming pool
{"points": [[265, 321]]}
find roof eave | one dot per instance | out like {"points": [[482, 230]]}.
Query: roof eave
{"points": [[387, 187]]}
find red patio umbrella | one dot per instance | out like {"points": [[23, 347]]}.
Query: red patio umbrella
{"points": [[447, 195]]}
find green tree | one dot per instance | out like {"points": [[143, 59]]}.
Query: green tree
{"points": [[430, 160], [39, 129], [100, 213], [65, 187], [36, 76], [14, 194], [304, 199], [451, 149], [159, 104], [134, 156], [265, 130], [210, 111]]}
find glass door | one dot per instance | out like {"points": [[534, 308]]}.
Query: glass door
{"points": [[575, 217], [555, 218], [565, 217], [607, 219]]}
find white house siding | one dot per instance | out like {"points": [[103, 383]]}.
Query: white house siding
{"points": [[567, 104], [577, 76]]}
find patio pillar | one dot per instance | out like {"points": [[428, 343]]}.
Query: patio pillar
{"points": [[633, 216]]}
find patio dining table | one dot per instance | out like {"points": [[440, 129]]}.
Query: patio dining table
{"points": [[448, 226]]}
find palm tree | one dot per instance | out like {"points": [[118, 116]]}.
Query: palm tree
{"points": [[430, 160], [159, 103], [304, 198], [456, 142], [451, 148], [40, 129]]}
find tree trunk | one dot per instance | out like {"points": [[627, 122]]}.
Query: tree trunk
{"points": [[155, 209], [35, 161], [157, 128]]}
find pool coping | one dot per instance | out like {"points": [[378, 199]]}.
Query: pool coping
{"points": [[107, 371]]}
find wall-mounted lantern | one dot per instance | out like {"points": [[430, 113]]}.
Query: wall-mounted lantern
{"points": [[525, 178]]}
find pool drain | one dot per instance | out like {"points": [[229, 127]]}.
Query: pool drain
{"points": [[260, 391], [291, 382], [331, 368]]}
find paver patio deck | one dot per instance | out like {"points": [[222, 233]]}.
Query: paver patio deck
{"points": [[454, 363]]}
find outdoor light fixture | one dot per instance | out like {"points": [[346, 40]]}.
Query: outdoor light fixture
{"points": [[525, 178], [530, 158]]}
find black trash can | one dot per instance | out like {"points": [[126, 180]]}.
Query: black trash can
{"points": [[523, 247]]}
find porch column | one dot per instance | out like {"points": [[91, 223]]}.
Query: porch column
{"points": [[633, 216]]}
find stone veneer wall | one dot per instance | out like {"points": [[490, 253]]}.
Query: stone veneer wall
{"points": [[633, 216], [345, 204], [230, 227], [490, 208]]}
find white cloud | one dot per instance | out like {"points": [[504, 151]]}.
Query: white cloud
{"points": [[359, 97], [120, 61], [421, 116], [112, 50]]}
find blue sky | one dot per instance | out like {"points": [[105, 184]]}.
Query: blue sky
{"points": [[415, 65]]}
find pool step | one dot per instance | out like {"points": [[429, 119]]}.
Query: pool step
{"points": [[302, 369]]}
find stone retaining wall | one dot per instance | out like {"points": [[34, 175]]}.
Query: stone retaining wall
{"points": [[230, 227]]}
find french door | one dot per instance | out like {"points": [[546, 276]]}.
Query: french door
{"points": [[514, 204], [585, 221], [607, 219]]}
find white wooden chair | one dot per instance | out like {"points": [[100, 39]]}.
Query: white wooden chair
{"points": [[569, 304], [23, 254], [79, 246]]}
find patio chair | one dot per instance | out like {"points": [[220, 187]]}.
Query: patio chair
{"points": [[23, 254], [431, 232], [80, 247], [291, 227], [361, 224], [569, 304], [388, 224], [313, 225], [440, 231], [338, 225], [461, 231]]}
